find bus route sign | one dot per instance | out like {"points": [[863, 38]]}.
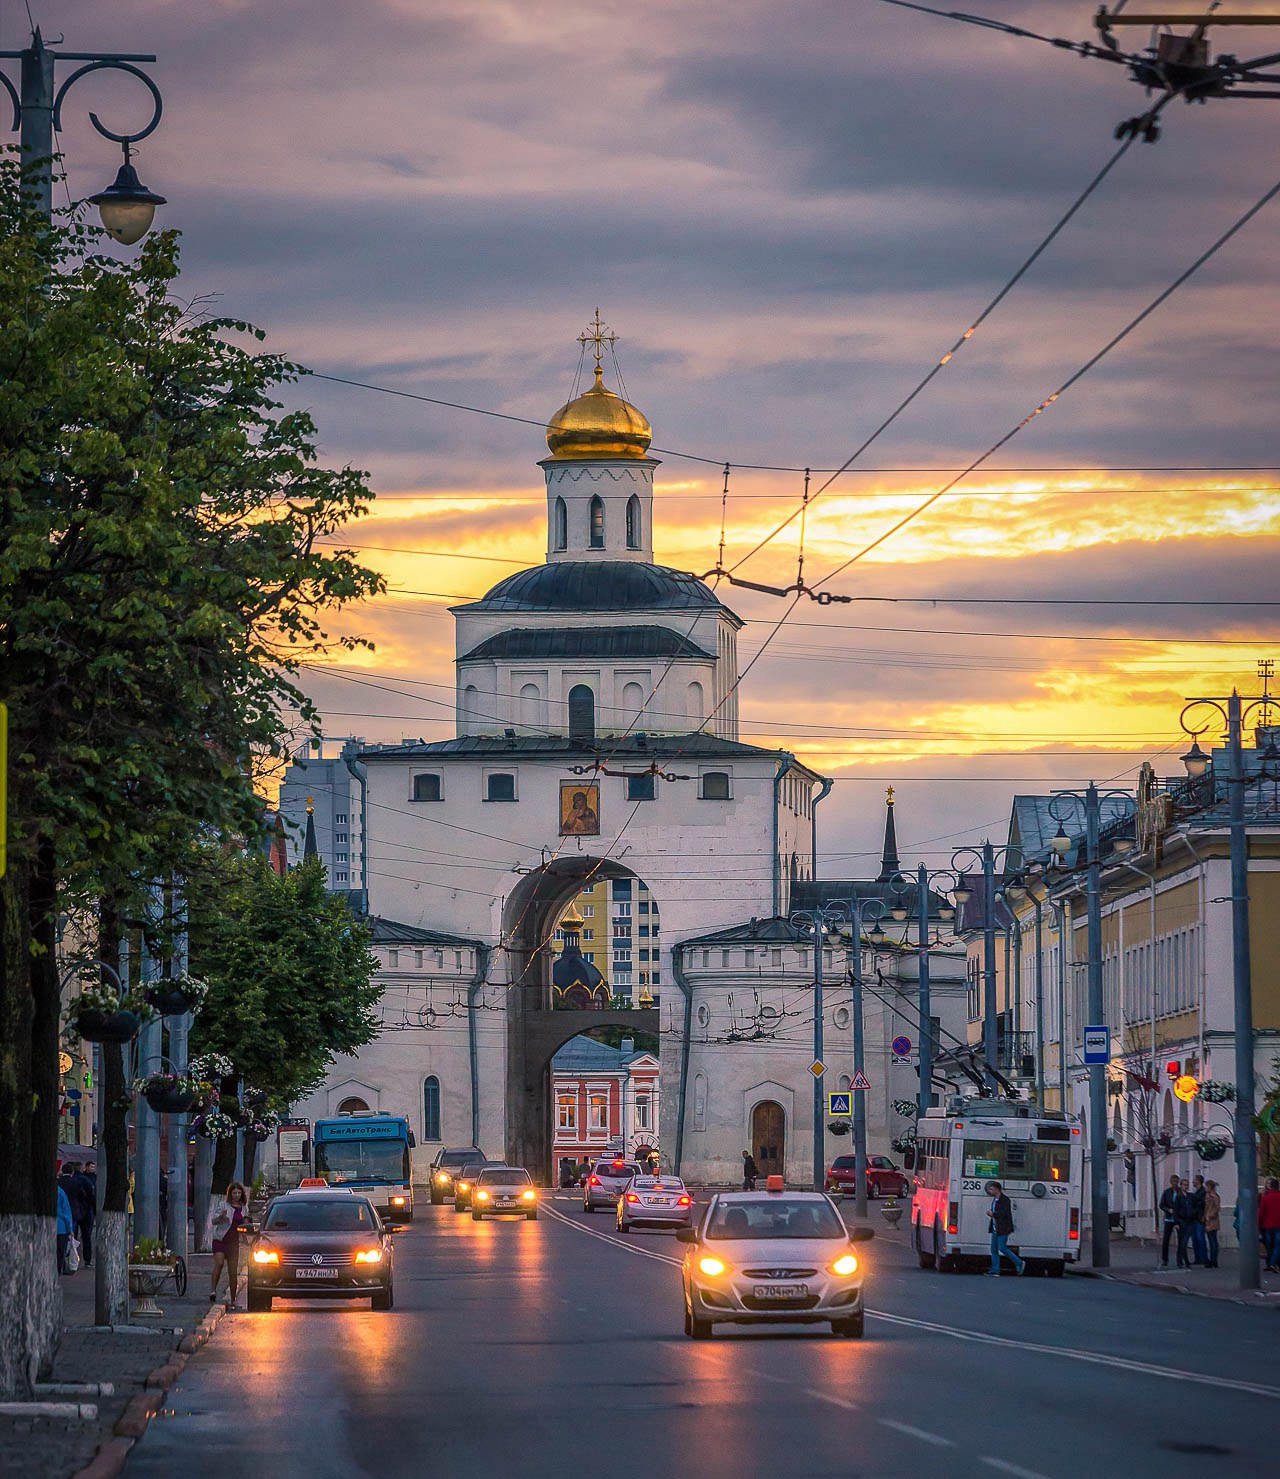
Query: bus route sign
{"points": [[1097, 1045]]}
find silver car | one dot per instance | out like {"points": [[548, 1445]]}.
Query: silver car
{"points": [[773, 1257], [654, 1201], [606, 1182]]}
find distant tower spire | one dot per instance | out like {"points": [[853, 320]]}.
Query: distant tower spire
{"points": [[890, 867], [310, 848]]}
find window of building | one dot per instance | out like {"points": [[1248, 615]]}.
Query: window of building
{"points": [[354, 1105], [641, 787], [621, 954], [343, 858], [587, 934], [643, 929], [706, 959], [644, 906], [622, 888], [597, 523], [642, 1111], [588, 911], [567, 1111], [714, 785], [582, 714], [560, 525], [777, 959], [632, 701], [598, 1112], [393, 959], [531, 706], [633, 522], [724, 957], [340, 877], [417, 960], [696, 703], [500, 785], [340, 818], [644, 955], [341, 839], [623, 909], [427, 787], [431, 1108]]}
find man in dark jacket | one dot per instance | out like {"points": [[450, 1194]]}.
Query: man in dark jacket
{"points": [[87, 1181], [1000, 1226], [1173, 1208], [750, 1171], [1197, 1242]]}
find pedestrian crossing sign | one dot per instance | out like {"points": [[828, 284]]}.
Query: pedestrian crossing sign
{"points": [[840, 1103]]}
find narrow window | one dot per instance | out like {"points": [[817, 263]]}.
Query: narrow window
{"points": [[426, 788], [501, 786], [696, 703], [431, 1108], [633, 522], [597, 523], [560, 525], [640, 788], [582, 714], [715, 785]]}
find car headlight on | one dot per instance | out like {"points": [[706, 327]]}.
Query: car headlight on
{"points": [[482, 1196], [369, 1255], [442, 1178], [711, 1266], [397, 1201], [464, 1186], [845, 1265], [528, 1196], [265, 1255]]}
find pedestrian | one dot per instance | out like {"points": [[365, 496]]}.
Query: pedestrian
{"points": [[164, 1210], [1195, 1215], [749, 1171], [1000, 1226], [65, 1224], [584, 1170], [86, 1180], [227, 1222], [1269, 1223], [1173, 1208], [1212, 1220]]}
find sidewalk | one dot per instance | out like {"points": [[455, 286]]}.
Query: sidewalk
{"points": [[136, 1362], [1134, 1261]]}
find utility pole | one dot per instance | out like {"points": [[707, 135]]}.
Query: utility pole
{"points": [[924, 1094]]}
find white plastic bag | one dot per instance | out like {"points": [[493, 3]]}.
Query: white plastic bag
{"points": [[72, 1259]]}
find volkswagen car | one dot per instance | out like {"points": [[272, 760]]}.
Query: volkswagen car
{"points": [[504, 1191], [320, 1245], [654, 1201], [772, 1257]]}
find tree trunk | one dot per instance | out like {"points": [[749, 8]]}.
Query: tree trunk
{"points": [[46, 1293], [111, 1261], [248, 1162]]}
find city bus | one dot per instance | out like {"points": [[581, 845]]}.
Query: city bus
{"points": [[368, 1152], [1036, 1155]]}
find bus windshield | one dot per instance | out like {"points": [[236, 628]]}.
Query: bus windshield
{"points": [[1017, 1160], [341, 1161]]}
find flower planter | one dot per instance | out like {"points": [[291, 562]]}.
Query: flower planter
{"points": [[168, 1003], [170, 1101], [891, 1212], [1212, 1150], [95, 1026], [260, 1136], [145, 1282]]}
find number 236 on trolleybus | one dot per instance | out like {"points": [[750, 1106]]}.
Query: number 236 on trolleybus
{"points": [[1037, 1157]]}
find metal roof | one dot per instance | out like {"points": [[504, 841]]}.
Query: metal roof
{"points": [[392, 932], [597, 585], [670, 749], [541, 644], [586, 1055]]}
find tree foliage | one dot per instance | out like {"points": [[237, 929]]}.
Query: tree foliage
{"points": [[289, 973]]}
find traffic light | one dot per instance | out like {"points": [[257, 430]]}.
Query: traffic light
{"points": [[1173, 1068]]}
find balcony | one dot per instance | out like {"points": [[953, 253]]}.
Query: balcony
{"points": [[1016, 1054]]}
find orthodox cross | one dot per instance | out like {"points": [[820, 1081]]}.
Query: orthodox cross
{"points": [[597, 334]]}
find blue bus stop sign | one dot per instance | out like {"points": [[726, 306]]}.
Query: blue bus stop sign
{"points": [[1097, 1045]]}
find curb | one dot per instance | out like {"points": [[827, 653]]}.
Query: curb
{"points": [[142, 1406], [1261, 1301]]}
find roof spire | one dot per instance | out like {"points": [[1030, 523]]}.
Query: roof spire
{"points": [[890, 867], [598, 334], [310, 848]]}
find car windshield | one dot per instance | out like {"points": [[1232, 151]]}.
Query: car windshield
{"points": [[453, 1160], [505, 1176], [362, 1160], [617, 1170], [779, 1217], [319, 1214], [844, 1163], [471, 1170]]}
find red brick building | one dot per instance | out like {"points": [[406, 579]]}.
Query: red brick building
{"points": [[603, 1099]]}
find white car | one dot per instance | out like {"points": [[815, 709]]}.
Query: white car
{"points": [[654, 1201], [772, 1257]]}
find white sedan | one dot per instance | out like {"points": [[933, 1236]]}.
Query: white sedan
{"points": [[654, 1201], [773, 1257]]}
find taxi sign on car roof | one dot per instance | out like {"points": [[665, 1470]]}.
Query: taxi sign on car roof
{"points": [[773, 1183]]}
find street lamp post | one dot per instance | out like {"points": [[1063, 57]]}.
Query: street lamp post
{"points": [[987, 858], [1234, 710], [824, 925], [860, 910], [126, 206], [1099, 1192]]}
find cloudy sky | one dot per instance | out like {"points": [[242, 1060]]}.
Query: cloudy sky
{"points": [[788, 212]]}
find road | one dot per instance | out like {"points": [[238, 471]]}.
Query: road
{"points": [[538, 1348]]}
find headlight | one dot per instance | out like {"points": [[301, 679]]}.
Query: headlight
{"points": [[397, 1201], [464, 1186], [845, 1265], [482, 1196], [712, 1266], [369, 1255], [441, 1177], [265, 1255], [528, 1196]]}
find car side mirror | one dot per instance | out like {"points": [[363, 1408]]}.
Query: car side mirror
{"points": [[861, 1234], [687, 1235]]}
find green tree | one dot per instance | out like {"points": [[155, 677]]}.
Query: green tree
{"points": [[165, 557]]}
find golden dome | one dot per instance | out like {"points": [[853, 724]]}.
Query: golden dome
{"points": [[598, 423], [571, 919]]}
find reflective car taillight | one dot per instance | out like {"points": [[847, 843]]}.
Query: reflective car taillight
{"points": [[631, 1197], [1073, 1231], [685, 1202], [593, 1181], [953, 1217]]}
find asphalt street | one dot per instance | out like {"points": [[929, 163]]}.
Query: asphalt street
{"points": [[535, 1348]]}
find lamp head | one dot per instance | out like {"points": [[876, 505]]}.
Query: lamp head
{"points": [[126, 206], [1060, 842], [1195, 760], [962, 893]]}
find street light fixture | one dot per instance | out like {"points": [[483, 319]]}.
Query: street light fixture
{"points": [[126, 206], [1060, 842], [822, 924], [1195, 760], [987, 858]]}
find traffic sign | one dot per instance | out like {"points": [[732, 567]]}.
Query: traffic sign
{"points": [[817, 1068], [901, 1046], [860, 1081], [1097, 1045], [840, 1103], [1186, 1086]]}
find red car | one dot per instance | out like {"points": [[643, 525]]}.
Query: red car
{"points": [[884, 1179]]}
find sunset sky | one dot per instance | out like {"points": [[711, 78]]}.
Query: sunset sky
{"points": [[787, 213]]}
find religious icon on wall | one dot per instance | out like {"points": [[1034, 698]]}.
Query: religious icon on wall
{"points": [[579, 808]]}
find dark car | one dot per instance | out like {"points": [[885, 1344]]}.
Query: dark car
{"points": [[446, 1166], [464, 1183], [320, 1245], [884, 1179]]}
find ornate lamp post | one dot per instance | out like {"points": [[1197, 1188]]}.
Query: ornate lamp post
{"points": [[1234, 710], [126, 206], [825, 926], [927, 881], [860, 911], [987, 858]]}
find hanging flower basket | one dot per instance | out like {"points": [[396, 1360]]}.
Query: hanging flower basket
{"points": [[1211, 1148], [180, 994], [98, 1026], [210, 1068], [169, 1093], [904, 1142], [215, 1125], [1216, 1091], [907, 1108], [839, 1127]]}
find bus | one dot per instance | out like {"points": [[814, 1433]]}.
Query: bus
{"points": [[368, 1152], [1036, 1155]]}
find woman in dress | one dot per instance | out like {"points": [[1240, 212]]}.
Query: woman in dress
{"points": [[227, 1224]]}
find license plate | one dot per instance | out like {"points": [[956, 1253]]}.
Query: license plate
{"points": [[317, 1273], [657, 1201], [781, 1291]]}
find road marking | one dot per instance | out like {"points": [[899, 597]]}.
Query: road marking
{"points": [[1065, 1353], [1016, 1470], [835, 1401], [925, 1437]]}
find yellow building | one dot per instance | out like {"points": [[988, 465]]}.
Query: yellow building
{"points": [[621, 936]]}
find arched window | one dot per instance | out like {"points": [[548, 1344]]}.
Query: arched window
{"points": [[694, 696], [633, 522], [426, 787], [431, 1108], [531, 706], [559, 525], [470, 704], [699, 1101], [354, 1105], [715, 785], [632, 701], [597, 523], [582, 714]]}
